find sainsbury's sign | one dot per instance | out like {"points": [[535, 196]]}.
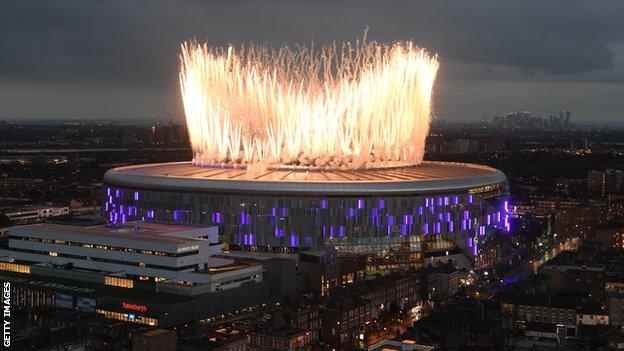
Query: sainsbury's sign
{"points": [[133, 307]]}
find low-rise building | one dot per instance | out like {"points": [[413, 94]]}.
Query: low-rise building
{"points": [[559, 310], [33, 214], [346, 321], [615, 302], [159, 275], [291, 317], [611, 237], [615, 341], [220, 339], [613, 285], [440, 282], [456, 326], [566, 272], [305, 316], [327, 270], [19, 186], [592, 314], [540, 330], [385, 293], [154, 340], [282, 339], [282, 332], [178, 257], [404, 345]]}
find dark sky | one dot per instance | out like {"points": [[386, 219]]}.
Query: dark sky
{"points": [[117, 59]]}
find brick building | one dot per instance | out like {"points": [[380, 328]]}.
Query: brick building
{"points": [[326, 270], [560, 310], [346, 322]]}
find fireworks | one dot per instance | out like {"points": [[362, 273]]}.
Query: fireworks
{"points": [[353, 106]]}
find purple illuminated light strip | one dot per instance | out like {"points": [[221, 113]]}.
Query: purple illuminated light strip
{"points": [[294, 240], [506, 209]]}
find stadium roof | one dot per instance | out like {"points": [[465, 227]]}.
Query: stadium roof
{"points": [[428, 177]]}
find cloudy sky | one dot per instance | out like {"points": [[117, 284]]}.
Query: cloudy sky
{"points": [[117, 59]]}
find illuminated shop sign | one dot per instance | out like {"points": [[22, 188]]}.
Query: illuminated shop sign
{"points": [[188, 248], [134, 307]]}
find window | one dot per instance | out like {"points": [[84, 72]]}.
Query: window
{"points": [[127, 317], [118, 281], [14, 267]]}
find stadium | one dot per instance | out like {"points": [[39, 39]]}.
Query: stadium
{"points": [[335, 160], [401, 215]]}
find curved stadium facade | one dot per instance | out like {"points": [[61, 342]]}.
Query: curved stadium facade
{"points": [[398, 214]]}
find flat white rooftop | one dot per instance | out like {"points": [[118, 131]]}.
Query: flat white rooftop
{"points": [[149, 232]]}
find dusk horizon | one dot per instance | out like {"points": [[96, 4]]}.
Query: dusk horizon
{"points": [[108, 59]]}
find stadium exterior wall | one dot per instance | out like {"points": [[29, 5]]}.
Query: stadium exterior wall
{"points": [[378, 216]]}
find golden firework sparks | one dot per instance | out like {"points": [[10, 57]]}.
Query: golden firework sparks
{"points": [[361, 105]]}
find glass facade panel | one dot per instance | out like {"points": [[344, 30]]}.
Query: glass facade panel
{"points": [[291, 223]]}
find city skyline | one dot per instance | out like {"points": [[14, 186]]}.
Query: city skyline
{"points": [[118, 61], [356, 175], [515, 226]]}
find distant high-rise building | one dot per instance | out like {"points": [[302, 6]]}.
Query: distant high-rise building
{"points": [[526, 120], [595, 182], [579, 144], [613, 182], [493, 143], [567, 118], [609, 182]]}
